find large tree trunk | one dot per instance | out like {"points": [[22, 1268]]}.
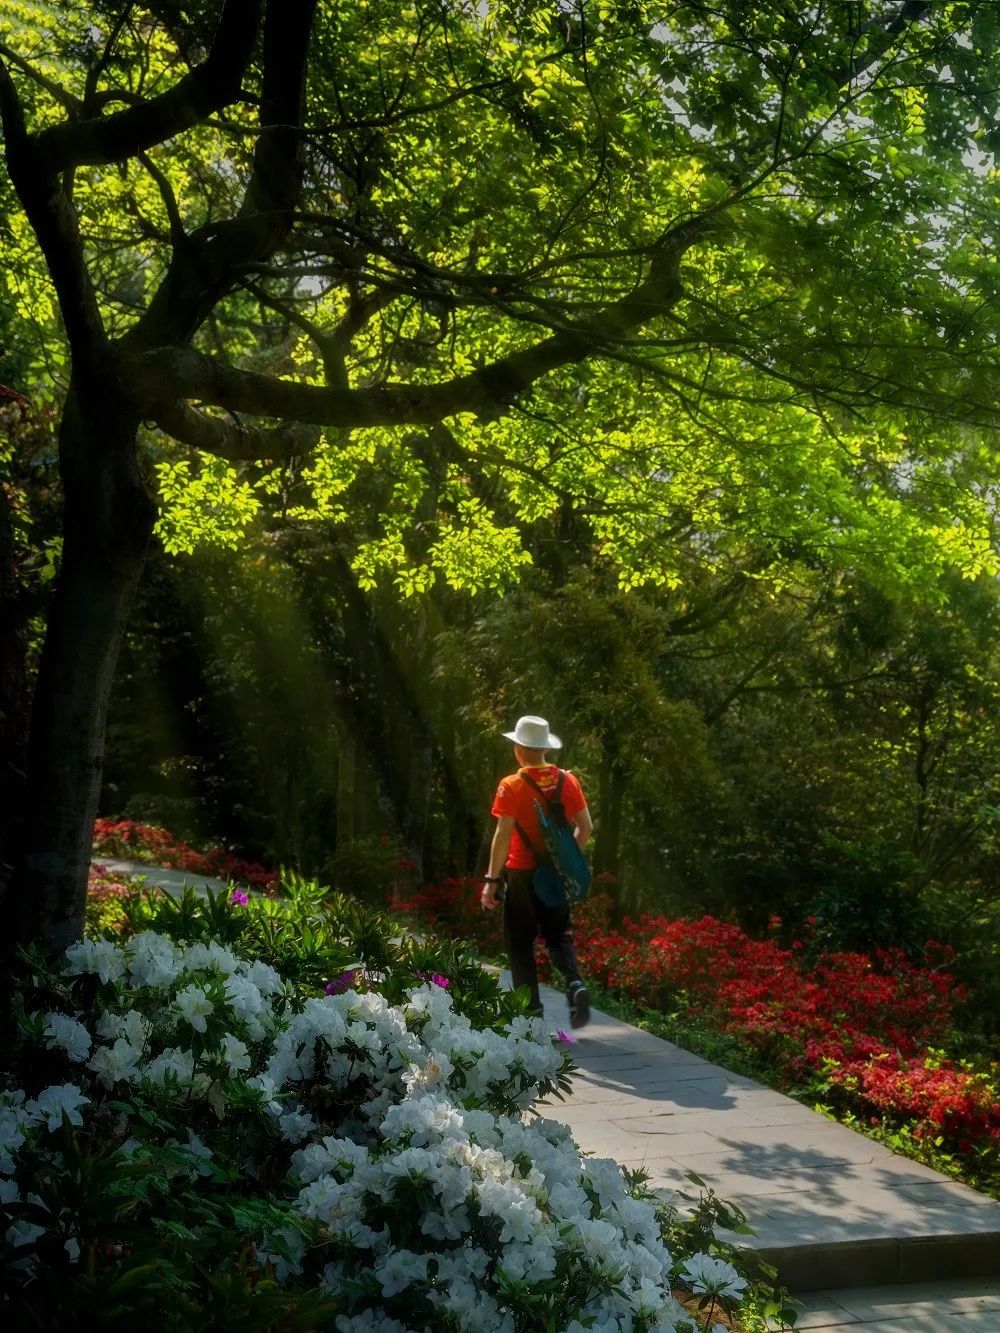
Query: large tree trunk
{"points": [[108, 518], [13, 688]]}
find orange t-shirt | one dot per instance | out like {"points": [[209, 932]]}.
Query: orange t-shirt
{"points": [[517, 799]]}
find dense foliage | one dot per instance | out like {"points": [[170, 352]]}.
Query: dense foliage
{"points": [[745, 244], [826, 752]]}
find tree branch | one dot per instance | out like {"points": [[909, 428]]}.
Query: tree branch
{"points": [[177, 233], [205, 89], [494, 387], [66, 100], [232, 439], [909, 13], [210, 261], [101, 64]]}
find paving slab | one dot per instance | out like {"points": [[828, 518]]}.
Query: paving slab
{"points": [[951, 1307], [868, 1304], [831, 1209]]}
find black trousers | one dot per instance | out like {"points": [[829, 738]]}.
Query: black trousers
{"points": [[524, 919]]}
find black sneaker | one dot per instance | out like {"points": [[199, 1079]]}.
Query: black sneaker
{"points": [[579, 1005]]}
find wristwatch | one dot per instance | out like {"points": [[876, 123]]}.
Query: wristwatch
{"points": [[492, 879]]}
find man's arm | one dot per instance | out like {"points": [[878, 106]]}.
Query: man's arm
{"points": [[583, 827], [498, 859]]}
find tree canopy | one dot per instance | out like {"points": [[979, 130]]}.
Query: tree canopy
{"points": [[435, 271]]}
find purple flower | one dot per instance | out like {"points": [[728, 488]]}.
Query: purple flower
{"points": [[563, 1037], [239, 898], [340, 984], [435, 977]]}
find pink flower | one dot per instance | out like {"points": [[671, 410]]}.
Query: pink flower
{"points": [[435, 978], [239, 898], [563, 1038]]}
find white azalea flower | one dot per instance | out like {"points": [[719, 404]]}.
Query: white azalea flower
{"points": [[14, 1122], [73, 1037], [131, 1025], [370, 1321], [23, 1233], [396, 1270], [332, 1155], [153, 960], [194, 1007], [101, 957], [703, 1273], [118, 1063], [534, 1262], [205, 957], [296, 1125], [53, 1102], [249, 1004], [171, 1063], [235, 1054], [451, 1225], [459, 1297], [285, 1267], [266, 980]]}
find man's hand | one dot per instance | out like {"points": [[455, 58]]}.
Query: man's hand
{"points": [[488, 897]]}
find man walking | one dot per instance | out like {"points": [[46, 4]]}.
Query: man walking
{"points": [[516, 851]]}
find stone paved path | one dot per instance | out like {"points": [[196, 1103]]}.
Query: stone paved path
{"points": [[172, 881], [872, 1240], [833, 1210]]}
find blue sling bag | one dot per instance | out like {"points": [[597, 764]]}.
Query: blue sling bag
{"points": [[562, 875]]}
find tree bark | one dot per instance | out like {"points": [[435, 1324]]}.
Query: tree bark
{"points": [[108, 519], [13, 689]]}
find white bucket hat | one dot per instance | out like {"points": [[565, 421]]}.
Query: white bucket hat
{"points": [[533, 733]]}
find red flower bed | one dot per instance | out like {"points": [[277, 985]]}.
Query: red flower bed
{"points": [[860, 1026], [155, 846], [943, 1099], [840, 1005], [452, 906]]}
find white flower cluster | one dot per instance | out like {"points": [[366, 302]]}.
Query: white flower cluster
{"points": [[18, 1116], [505, 1202], [240, 1012], [427, 1186], [179, 990]]}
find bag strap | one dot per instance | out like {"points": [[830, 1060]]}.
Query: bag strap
{"points": [[542, 857]]}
